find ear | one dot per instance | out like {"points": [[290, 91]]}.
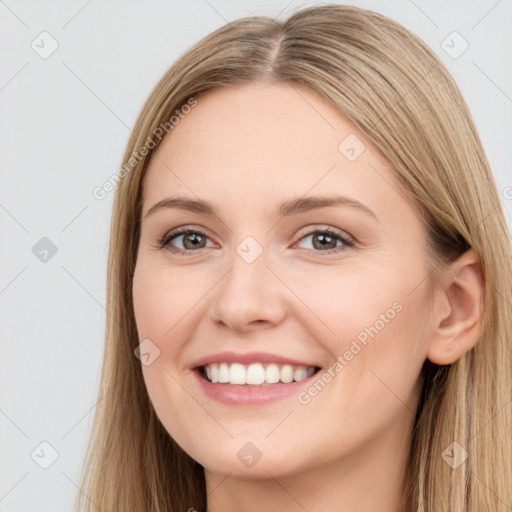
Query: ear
{"points": [[458, 310]]}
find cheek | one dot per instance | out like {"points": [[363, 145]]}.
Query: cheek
{"points": [[340, 303], [162, 298], [372, 384], [160, 307], [373, 322]]}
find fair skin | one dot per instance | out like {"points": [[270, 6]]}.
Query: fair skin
{"points": [[246, 150]]}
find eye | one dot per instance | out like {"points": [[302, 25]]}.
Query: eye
{"points": [[325, 241], [191, 238]]}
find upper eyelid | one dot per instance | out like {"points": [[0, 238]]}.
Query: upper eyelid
{"points": [[337, 231], [302, 231]]}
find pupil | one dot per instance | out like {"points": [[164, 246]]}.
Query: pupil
{"points": [[324, 237], [193, 236]]}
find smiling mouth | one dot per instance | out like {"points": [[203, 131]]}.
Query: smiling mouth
{"points": [[255, 374]]}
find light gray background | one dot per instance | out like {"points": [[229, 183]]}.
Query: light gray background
{"points": [[65, 123]]}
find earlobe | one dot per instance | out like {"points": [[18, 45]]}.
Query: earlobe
{"points": [[458, 311]]}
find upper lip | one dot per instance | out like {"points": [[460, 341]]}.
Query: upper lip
{"points": [[248, 358]]}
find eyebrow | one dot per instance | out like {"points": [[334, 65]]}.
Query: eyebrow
{"points": [[286, 209]]}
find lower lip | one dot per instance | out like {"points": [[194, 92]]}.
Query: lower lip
{"points": [[247, 395]]}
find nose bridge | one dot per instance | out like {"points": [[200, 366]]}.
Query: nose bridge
{"points": [[249, 264], [249, 291]]}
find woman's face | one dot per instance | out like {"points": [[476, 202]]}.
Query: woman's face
{"points": [[272, 287]]}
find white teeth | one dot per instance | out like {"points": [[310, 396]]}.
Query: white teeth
{"points": [[300, 374], [215, 373], [272, 373], [223, 373], [256, 373], [286, 373], [237, 374]]}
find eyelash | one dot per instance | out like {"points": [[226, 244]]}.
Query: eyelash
{"points": [[165, 241]]}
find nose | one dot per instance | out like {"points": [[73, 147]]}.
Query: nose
{"points": [[249, 296]]}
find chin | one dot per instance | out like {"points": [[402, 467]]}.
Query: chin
{"points": [[247, 464]]}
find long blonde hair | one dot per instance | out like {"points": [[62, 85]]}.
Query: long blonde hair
{"points": [[399, 94]]}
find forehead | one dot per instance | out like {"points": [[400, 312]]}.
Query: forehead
{"points": [[266, 142]]}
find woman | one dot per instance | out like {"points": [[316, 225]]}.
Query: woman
{"points": [[248, 368]]}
